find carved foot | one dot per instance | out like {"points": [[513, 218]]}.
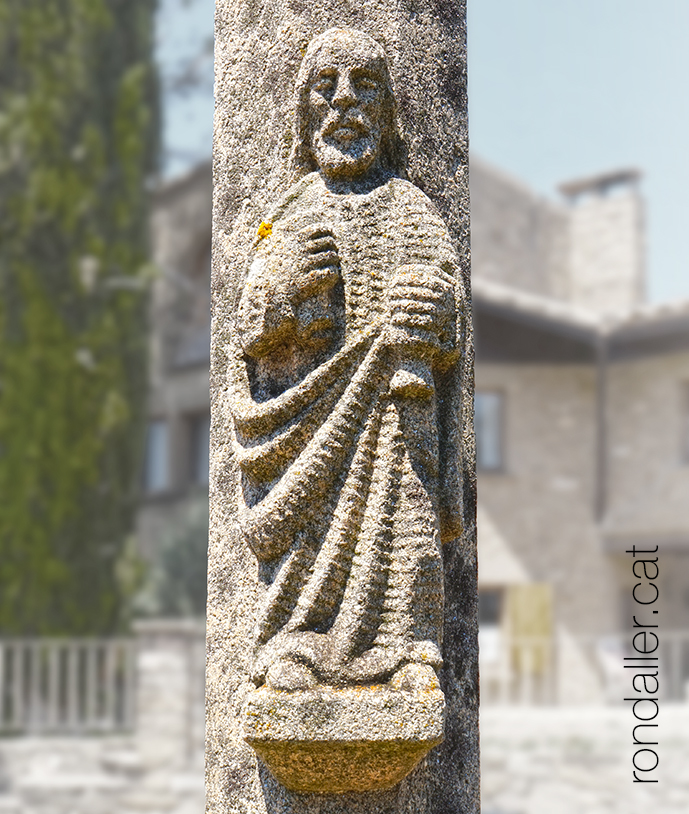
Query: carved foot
{"points": [[415, 678], [289, 676]]}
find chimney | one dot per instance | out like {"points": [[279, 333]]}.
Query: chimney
{"points": [[606, 241]]}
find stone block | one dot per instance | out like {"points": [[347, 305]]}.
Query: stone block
{"points": [[332, 741]]}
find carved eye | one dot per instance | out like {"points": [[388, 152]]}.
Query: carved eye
{"points": [[324, 84], [365, 83]]}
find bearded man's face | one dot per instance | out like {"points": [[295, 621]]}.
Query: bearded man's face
{"points": [[346, 100]]}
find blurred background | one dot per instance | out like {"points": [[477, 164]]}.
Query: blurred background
{"points": [[579, 178]]}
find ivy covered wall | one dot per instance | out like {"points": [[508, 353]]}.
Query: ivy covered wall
{"points": [[78, 143]]}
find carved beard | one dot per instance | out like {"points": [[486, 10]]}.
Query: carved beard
{"points": [[346, 147]]}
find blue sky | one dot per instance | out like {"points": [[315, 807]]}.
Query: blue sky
{"points": [[558, 89], [184, 43]]}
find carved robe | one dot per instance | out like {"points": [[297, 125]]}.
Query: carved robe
{"points": [[341, 477]]}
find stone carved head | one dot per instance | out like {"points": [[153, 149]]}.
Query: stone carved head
{"points": [[345, 109]]}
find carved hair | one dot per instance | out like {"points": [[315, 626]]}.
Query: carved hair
{"points": [[392, 148]]}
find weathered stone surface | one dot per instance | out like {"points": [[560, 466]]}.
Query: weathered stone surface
{"points": [[312, 741], [342, 452], [335, 714]]}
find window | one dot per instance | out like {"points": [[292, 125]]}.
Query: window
{"points": [[200, 312], [199, 441], [489, 606], [488, 417], [685, 422], [194, 337], [490, 602], [157, 460]]}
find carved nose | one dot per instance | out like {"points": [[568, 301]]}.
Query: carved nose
{"points": [[344, 93]]}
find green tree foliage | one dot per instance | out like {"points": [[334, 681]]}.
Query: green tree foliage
{"points": [[78, 140]]}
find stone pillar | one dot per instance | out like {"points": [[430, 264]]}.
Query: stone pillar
{"points": [[259, 50]]}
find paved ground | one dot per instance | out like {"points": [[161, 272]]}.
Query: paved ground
{"points": [[578, 761], [92, 776]]}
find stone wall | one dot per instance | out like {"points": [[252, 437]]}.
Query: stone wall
{"points": [[518, 238], [550, 436], [606, 264], [179, 346], [181, 236], [648, 478], [648, 472], [549, 451], [590, 252]]}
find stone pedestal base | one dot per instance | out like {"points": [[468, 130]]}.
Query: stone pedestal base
{"points": [[334, 741]]}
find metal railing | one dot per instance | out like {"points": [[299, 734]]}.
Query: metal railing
{"points": [[66, 685], [528, 670]]}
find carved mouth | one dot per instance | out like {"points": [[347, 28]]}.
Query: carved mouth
{"points": [[345, 145], [346, 131], [346, 134]]}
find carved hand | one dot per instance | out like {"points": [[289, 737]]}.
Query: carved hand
{"points": [[317, 265], [311, 284], [421, 311], [288, 292], [421, 305]]}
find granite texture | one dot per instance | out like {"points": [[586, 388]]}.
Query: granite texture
{"points": [[333, 740], [342, 555]]}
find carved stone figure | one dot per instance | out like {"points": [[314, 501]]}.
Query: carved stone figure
{"points": [[345, 430]]}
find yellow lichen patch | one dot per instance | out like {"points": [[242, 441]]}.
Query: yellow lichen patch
{"points": [[265, 229]]}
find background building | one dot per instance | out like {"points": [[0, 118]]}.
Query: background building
{"points": [[175, 476], [582, 425]]}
